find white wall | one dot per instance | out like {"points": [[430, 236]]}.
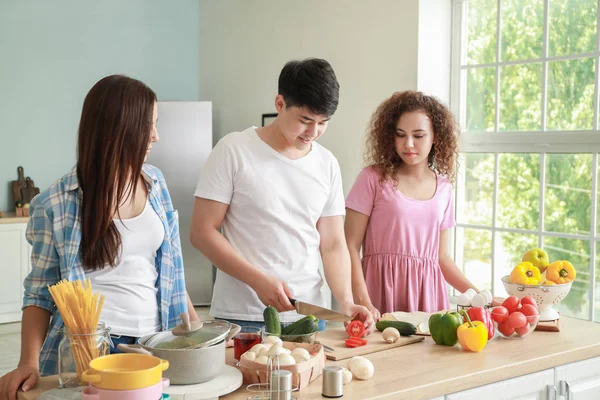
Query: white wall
{"points": [[435, 32], [372, 45]]}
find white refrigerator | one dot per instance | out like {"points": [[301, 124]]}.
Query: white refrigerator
{"points": [[185, 140]]}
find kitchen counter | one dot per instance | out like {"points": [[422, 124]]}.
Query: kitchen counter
{"points": [[425, 370], [11, 218]]}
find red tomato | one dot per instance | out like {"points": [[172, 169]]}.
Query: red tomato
{"points": [[529, 300], [516, 320], [511, 303], [356, 329], [522, 331], [499, 314], [506, 329], [355, 342], [528, 310]]}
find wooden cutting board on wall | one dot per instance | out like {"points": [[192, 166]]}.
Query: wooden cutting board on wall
{"points": [[334, 338], [18, 185]]}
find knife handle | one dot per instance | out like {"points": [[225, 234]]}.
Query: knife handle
{"points": [[293, 301]]}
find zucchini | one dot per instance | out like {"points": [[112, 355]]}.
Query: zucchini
{"points": [[272, 324], [405, 328], [308, 324]]}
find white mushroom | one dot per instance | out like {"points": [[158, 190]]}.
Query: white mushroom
{"points": [[264, 352], [249, 355], [390, 335], [362, 369], [300, 350], [275, 350], [262, 360], [352, 360], [257, 348], [272, 340], [286, 359], [300, 357], [347, 375]]}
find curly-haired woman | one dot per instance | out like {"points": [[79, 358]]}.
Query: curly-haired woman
{"points": [[400, 208]]}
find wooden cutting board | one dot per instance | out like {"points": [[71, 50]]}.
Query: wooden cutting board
{"points": [[29, 191], [334, 338], [18, 185]]}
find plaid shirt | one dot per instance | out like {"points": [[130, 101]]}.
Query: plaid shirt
{"points": [[54, 231]]}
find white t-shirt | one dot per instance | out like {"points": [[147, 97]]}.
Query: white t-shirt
{"points": [[274, 206], [129, 289]]}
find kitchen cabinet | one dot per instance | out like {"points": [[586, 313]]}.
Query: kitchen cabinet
{"points": [[527, 387], [579, 380], [15, 254]]}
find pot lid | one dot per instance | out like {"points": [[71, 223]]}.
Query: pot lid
{"points": [[211, 332]]}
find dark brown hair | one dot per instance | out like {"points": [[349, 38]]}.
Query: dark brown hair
{"points": [[381, 151], [114, 132]]}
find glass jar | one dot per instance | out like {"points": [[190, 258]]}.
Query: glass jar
{"points": [[75, 352]]}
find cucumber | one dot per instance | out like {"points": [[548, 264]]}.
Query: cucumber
{"points": [[272, 324], [305, 323], [306, 327], [405, 328]]}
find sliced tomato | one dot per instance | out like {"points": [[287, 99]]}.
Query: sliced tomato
{"points": [[352, 343], [356, 329], [356, 341]]}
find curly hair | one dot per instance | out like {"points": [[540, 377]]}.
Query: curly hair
{"points": [[381, 151]]}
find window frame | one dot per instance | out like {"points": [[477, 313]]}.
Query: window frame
{"points": [[541, 142]]}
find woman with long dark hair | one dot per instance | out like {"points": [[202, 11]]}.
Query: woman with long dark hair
{"points": [[110, 219]]}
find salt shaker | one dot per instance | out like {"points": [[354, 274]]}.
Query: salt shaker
{"points": [[281, 385], [333, 382]]}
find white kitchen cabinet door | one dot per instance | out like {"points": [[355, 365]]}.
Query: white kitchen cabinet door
{"points": [[579, 380], [14, 267], [526, 387]]}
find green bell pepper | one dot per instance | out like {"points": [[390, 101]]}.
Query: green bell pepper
{"points": [[443, 327]]}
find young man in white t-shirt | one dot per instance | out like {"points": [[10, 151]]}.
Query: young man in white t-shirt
{"points": [[278, 196]]}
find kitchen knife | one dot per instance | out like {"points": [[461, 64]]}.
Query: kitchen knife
{"points": [[319, 312]]}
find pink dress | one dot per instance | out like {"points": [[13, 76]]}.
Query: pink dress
{"points": [[401, 246]]}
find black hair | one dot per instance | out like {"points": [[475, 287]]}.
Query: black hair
{"points": [[310, 83]]}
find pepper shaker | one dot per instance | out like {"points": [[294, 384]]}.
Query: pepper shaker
{"points": [[281, 385], [333, 382]]}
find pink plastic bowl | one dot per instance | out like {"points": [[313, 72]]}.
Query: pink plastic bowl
{"points": [[148, 393]]}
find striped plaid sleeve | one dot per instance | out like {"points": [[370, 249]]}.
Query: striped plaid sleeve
{"points": [[44, 258], [178, 303]]}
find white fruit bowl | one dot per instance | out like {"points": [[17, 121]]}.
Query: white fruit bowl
{"points": [[545, 296]]}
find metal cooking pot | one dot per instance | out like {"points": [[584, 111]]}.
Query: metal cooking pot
{"points": [[188, 365]]}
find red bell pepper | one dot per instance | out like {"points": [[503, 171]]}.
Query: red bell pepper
{"points": [[483, 315]]}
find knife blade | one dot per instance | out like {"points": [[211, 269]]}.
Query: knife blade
{"points": [[319, 312]]}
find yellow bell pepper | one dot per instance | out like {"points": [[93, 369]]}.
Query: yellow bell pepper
{"points": [[526, 274], [472, 336], [561, 272], [548, 283]]}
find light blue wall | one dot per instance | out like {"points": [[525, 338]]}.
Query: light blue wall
{"points": [[52, 53]]}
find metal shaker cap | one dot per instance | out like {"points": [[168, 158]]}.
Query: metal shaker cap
{"points": [[333, 382], [281, 385]]}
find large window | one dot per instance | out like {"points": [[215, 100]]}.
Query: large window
{"points": [[525, 89]]}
